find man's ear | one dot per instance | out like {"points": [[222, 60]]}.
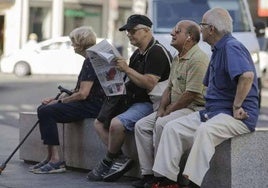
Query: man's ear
{"points": [[189, 38]]}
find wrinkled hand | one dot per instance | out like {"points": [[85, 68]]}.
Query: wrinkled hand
{"points": [[160, 113], [240, 114], [121, 64], [49, 101], [168, 110]]}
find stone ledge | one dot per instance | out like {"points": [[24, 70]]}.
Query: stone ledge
{"points": [[33, 149], [238, 162], [80, 145]]}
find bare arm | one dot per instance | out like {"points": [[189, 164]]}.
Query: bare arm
{"points": [[165, 101], [243, 87], [146, 81], [81, 94], [186, 99]]}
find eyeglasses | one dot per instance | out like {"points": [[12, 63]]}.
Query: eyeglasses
{"points": [[203, 25], [133, 31]]}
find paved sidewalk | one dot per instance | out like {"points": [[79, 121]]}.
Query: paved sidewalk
{"points": [[16, 174]]}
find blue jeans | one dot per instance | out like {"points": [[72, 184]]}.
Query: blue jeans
{"points": [[134, 113]]}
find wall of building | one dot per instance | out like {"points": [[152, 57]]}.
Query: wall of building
{"points": [[253, 6], [50, 18]]}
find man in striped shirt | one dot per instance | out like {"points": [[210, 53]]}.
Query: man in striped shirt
{"points": [[183, 95]]}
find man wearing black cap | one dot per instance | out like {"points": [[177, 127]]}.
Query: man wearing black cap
{"points": [[135, 20], [148, 65]]}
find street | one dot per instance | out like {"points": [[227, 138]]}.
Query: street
{"points": [[25, 93]]}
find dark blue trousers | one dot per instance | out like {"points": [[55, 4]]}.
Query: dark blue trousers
{"points": [[50, 115]]}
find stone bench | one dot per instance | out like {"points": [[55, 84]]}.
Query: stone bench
{"points": [[239, 162], [80, 145]]}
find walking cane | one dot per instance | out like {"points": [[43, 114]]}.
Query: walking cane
{"points": [[3, 165]]}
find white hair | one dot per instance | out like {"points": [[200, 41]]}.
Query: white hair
{"points": [[220, 19], [141, 26], [84, 36]]}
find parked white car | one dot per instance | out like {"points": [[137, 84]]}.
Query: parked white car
{"points": [[53, 56]]}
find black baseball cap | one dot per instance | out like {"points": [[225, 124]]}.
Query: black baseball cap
{"points": [[136, 19]]}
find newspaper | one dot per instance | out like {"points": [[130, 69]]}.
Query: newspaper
{"points": [[102, 57]]}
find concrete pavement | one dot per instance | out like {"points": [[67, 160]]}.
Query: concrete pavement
{"points": [[16, 174]]}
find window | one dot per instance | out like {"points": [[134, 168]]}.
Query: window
{"points": [[168, 12]]}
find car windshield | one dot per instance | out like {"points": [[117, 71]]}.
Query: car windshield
{"points": [[57, 45], [168, 12]]}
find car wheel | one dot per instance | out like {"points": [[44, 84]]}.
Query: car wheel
{"points": [[22, 69]]}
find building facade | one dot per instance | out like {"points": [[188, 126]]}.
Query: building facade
{"points": [[53, 18]]}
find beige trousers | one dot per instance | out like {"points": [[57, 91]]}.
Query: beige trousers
{"points": [[148, 131], [188, 131]]}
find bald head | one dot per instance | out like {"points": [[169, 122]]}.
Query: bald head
{"points": [[192, 29], [185, 35]]}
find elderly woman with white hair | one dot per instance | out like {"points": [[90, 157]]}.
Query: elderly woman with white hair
{"points": [[85, 102]]}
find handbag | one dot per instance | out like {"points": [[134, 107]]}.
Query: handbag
{"points": [[157, 92]]}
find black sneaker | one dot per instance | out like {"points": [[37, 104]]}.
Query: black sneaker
{"points": [[147, 179], [139, 183], [99, 172], [120, 166]]}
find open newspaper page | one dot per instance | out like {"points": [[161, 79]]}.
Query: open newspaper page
{"points": [[102, 57]]}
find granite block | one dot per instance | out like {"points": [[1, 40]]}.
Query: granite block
{"points": [[239, 162], [80, 145]]}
